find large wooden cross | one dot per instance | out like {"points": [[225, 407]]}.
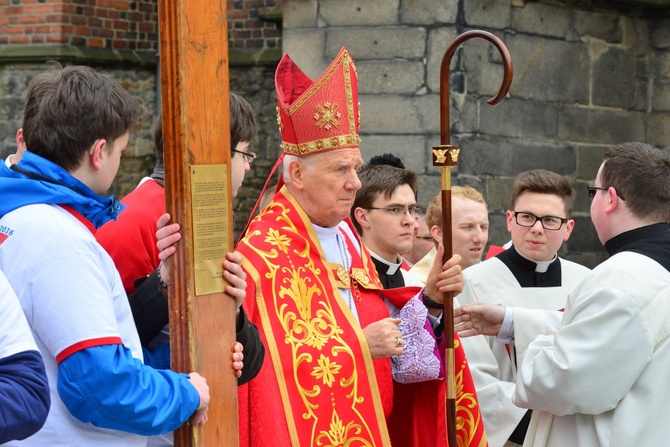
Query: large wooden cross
{"points": [[196, 127]]}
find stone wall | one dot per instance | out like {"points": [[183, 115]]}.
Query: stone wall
{"points": [[584, 80]]}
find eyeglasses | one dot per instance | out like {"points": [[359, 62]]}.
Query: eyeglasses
{"points": [[548, 222], [396, 210], [249, 157], [592, 191]]}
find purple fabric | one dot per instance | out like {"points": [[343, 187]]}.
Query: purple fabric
{"points": [[421, 359]]}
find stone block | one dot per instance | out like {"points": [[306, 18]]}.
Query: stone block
{"points": [[429, 187], [300, 14], [11, 107], [410, 149], [548, 70], [603, 26], [387, 42], [613, 74], [661, 96], [589, 159], [542, 19], [439, 40], [483, 68], [661, 65], [488, 14], [498, 193], [601, 126], [305, 46], [388, 114], [584, 237], [428, 109], [518, 118], [507, 157], [659, 130], [473, 181], [659, 34], [359, 12], [428, 12], [391, 76], [498, 234]]}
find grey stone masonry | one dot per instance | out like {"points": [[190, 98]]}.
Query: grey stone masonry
{"points": [[585, 78]]}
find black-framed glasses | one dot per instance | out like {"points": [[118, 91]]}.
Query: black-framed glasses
{"points": [[396, 210], [552, 223], [591, 190], [249, 157]]}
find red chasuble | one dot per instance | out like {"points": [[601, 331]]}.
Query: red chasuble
{"points": [[319, 386]]}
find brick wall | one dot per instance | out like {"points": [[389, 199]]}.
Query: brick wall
{"points": [[248, 28], [113, 24]]}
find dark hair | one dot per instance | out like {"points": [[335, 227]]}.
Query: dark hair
{"points": [[158, 139], [68, 110], [380, 179], [641, 173], [242, 122], [242, 125], [386, 159], [544, 182]]}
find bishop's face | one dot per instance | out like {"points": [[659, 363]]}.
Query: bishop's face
{"points": [[328, 185]]}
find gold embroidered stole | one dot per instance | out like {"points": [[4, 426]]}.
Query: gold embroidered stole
{"points": [[320, 356]]}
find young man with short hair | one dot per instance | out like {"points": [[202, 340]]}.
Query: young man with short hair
{"points": [[579, 387], [469, 228], [102, 392], [528, 275]]}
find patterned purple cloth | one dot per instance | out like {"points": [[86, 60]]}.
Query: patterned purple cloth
{"points": [[421, 359]]}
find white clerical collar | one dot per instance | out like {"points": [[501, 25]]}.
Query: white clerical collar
{"points": [[392, 267], [325, 233], [540, 266]]}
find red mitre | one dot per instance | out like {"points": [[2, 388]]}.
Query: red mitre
{"points": [[321, 115]]}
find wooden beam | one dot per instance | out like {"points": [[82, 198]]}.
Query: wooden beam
{"points": [[196, 128]]}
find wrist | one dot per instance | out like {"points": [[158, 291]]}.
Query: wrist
{"points": [[429, 302], [161, 283]]}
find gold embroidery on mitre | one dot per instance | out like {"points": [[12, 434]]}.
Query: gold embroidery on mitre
{"points": [[321, 145], [279, 123], [327, 116]]}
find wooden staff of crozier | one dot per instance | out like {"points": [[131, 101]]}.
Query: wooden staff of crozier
{"points": [[445, 156]]}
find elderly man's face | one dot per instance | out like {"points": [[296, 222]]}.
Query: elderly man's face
{"points": [[330, 186]]}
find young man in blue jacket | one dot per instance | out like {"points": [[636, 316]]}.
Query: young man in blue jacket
{"points": [[76, 126]]}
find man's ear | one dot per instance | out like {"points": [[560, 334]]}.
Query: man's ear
{"points": [[361, 217], [20, 142], [436, 232], [295, 172], [97, 152]]}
